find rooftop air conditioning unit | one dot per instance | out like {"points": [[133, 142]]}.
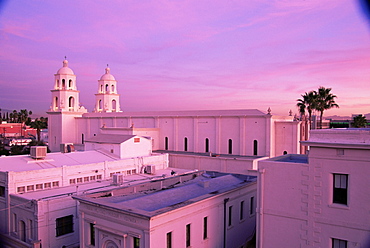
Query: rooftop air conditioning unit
{"points": [[38, 152], [150, 169], [67, 147], [117, 179]]}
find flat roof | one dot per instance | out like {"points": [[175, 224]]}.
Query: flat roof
{"points": [[291, 158], [160, 196], [109, 138], [96, 186], [53, 160], [340, 137]]}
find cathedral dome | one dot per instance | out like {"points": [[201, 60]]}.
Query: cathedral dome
{"points": [[65, 69], [107, 76]]}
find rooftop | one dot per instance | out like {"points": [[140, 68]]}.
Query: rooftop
{"points": [[340, 137], [160, 196], [97, 186], [53, 160], [291, 158], [109, 138]]}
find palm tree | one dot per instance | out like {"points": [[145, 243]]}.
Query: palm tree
{"points": [[325, 100], [359, 121], [308, 102], [39, 124]]}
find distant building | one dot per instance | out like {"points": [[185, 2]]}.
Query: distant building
{"points": [[320, 199], [198, 209], [247, 132], [16, 130]]}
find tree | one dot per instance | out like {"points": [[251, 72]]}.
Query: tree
{"points": [[308, 102], [359, 121], [39, 124], [325, 100]]}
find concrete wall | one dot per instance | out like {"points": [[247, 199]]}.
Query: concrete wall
{"points": [[296, 199], [222, 164]]}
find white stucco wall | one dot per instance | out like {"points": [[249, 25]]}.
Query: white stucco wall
{"points": [[296, 199]]}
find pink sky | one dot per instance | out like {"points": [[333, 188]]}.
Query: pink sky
{"points": [[188, 54]]}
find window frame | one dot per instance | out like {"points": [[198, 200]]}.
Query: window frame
{"points": [[188, 235], [64, 225], [339, 243], [205, 227], [340, 188], [169, 240]]}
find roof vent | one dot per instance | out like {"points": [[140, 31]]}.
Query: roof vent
{"points": [[149, 169], [117, 179], [38, 152], [67, 147]]}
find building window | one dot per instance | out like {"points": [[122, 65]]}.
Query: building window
{"points": [[15, 223], [255, 147], [205, 227], [39, 186], [166, 143], [47, 185], [169, 239], [136, 140], [92, 234], [30, 188], [100, 105], [79, 180], [339, 243], [64, 225], [230, 215], [70, 84], [92, 178], [56, 184], [21, 189], [2, 191], [106, 88], [99, 177], [136, 242], [86, 179], [112, 87], [340, 188], [241, 215], [114, 105], [71, 102], [207, 145], [185, 144], [188, 235], [22, 230], [30, 228], [251, 206], [72, 181], [230, 146], [56, 105], [63, 84]]}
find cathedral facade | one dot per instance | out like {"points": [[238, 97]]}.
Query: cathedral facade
{"points": [[242, 132]]}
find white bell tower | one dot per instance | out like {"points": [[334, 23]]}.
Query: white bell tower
{"points": [[107, 98], [65, 107]]}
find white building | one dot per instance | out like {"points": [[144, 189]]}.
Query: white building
{"points": [[198, 209], [319, 200], [247, 132], [35, 191]]}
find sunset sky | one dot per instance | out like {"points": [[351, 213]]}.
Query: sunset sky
{"points": [[188, 54]]}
